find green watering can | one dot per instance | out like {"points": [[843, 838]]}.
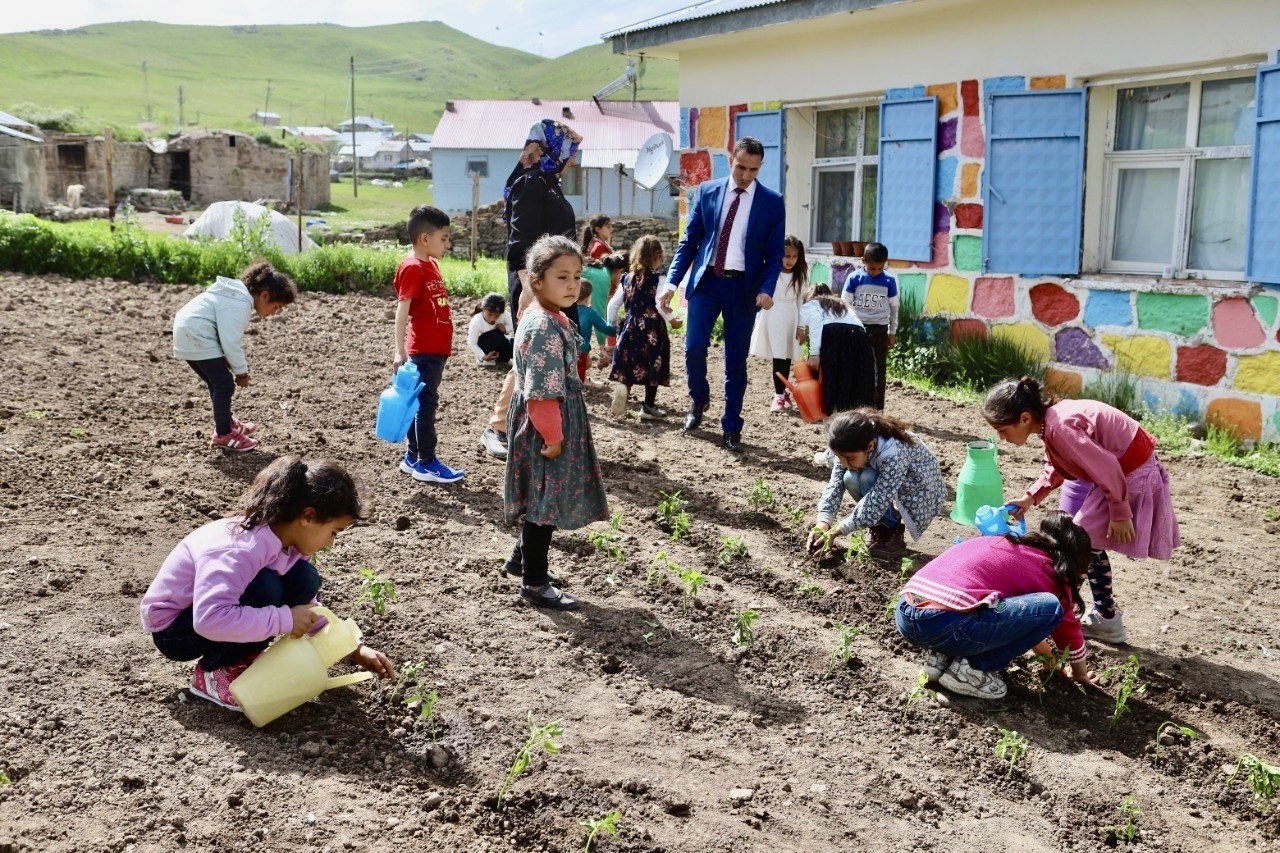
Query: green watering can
{"points": [[980, 483]]}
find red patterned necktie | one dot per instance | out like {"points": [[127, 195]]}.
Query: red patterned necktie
{"points": [[722, 243]]}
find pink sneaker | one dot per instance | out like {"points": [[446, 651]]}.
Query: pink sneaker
{"points": [[215, 684], [779, 403], [233, 440], [243, 427]]}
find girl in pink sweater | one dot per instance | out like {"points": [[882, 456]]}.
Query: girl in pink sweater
{"points": [[981, 603], [1120, 491], [230, 587]]}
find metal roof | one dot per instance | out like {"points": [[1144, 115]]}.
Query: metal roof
{"points": [[706, 9], [725, 17], [611, 133], [8, 120], [17, 134]]}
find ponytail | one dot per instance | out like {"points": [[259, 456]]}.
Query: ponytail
{"points": [[1008, 400], [288, 486], [1070, 548]]}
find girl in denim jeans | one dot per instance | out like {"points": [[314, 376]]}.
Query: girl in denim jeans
{"points": [[982, 603]]}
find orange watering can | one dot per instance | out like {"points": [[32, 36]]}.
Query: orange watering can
{"points": [[807, 392]]}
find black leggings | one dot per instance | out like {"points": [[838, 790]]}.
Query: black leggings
{"points": [[783, 366], [531, 552], [222, 385], [650, 395]]}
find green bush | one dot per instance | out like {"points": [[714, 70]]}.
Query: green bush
{"points": [[980, 362], [1117, 388]]}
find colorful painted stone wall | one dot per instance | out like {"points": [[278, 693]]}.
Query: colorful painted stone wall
{"points": [[1204, 352]]}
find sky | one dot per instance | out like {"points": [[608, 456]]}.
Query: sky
{"points": [[545, 27]]}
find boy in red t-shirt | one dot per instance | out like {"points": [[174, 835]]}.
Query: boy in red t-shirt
{"points": [[424, 333]]}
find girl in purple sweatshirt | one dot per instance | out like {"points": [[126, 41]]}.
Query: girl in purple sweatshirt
{"points": [[232, 586]]}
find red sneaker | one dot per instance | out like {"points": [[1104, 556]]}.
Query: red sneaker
{"points": [[233, 440], [215, 684], [243, 427]]}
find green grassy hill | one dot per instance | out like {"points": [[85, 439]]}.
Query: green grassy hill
{"points": [[404, 73]]}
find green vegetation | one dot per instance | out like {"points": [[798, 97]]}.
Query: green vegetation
{"points": [[732, 549], [1171, 727], [1172, 435], [842, 651], [808, 587], [1262, 777], [1127, 831], [1011, 747], [744, 633], [671, 510], [541, 739], [1117, 388], [761, 495], [608, 824], [379, 592], [918, 691], [369, 205], [608, 542], [691, 580], [1129, 688]]}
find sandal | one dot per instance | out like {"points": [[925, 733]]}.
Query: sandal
{"points": [[549, 597]]}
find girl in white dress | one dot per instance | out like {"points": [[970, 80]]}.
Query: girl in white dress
{"points": [[775, 336]]}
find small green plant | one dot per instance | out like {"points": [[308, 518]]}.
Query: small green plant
{"points": [[890, 607], [858, 552], [379, 592], [1117, 388], [1171, 726], [1129, 688], [917, 692], [744, 633], [1271, 513], [796, 513], [732, 549], [842, 651], [615, 521], [1262, 777], [541, 739], [608, 542], [657, 572], [1129, 810], [4, 779], [607, 824], [36, 414], [808, 587], [904, 569], [761, 495], [1011, 747], [1052, 662], [78, 432], [692, 581], [671, 509]]}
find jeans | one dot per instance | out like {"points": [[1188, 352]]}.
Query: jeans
{"points": [[712, 297], [422, 435], [179, 641], [858, 483], [222, 385], [989, 637]]}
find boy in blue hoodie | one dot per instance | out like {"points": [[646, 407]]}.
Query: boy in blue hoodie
{"points": [[873, 295]]}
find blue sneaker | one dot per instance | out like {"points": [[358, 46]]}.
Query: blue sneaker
{"points": [[436, 471], [414, 468]]}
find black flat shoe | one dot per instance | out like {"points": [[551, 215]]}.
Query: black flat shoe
{"points": [[733, 442], [516, 570], [693, 420], [549, 597]]}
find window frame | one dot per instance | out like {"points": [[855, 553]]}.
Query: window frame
{"points": [[1185, 158], [855, 163]]}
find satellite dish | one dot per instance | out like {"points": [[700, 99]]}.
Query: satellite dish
{"points": [[653, 160]]}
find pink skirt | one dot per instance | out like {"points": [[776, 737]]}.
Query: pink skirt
{"points": [[1155, 526]]}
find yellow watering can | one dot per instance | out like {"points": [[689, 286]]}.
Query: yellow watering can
{"points": [[296, 670]]}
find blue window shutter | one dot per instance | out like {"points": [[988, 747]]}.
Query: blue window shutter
{"points": [[1262, 253], [767, 127], [908, 163], [1033, 188]]}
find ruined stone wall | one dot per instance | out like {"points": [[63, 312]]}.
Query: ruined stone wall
{"points": [[232, 166]]}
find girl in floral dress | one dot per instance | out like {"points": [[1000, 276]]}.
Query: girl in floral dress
{"points": [[643, 355], [552, 475]]}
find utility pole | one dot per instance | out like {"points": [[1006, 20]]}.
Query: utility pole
{"points": [[268, 106], [111, 184], [182, 116], [297, 198], [146, 88], [355, 159]]}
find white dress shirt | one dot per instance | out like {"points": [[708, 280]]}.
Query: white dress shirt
{"points": [[735, 256]]}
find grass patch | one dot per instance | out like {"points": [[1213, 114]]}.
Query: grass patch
{"points": [[1117, 388], [373, 205], [1174, 439]]}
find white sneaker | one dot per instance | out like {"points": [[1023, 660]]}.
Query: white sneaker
{"points": [[618, 406], [822, 458], [967, 681], [493, 443], [935, 663], [1098, 627]]}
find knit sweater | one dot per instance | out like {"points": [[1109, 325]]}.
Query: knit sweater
{"points": [[982, 571]]}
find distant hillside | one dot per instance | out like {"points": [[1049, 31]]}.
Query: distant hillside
{"points": [[404, 72]]}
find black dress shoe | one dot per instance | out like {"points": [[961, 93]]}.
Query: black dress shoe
{"points": [[693, 420], [733, 442]]}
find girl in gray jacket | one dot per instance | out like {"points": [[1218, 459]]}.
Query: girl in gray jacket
{"points": [[206, 335]]}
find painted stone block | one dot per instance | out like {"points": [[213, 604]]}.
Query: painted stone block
{"points": [[1259, 374], [695, 167], [1176, 313], [968, 328], [1004, 84], [941, 218], [819, 273], [993, 296], [967, 250], [947, 131], [903, 93], [969, 174], [1075, 346], [946, 95], [839, 275], [1236, 326], [1065, 383], [684, 128], [1108, 308], [968, 215], [941, 253], [734, 109], [757, 106], [1029, 335], [1057, 81], [693, 127], [972, 141], [1243, 417], [970, 97], [773, 105], [1266, 308], [911, 288], [713, 128], [1201, 365], [945, 186], [1053, 304], [1141, 354], [1188, 406], [948, 294], [719, 166]]}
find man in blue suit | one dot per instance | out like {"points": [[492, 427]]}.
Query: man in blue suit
{"points": [[733, 245]]}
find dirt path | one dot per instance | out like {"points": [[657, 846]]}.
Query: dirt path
{"points": [[703, 747]]}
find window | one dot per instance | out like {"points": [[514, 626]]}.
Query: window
{"points": [[71, 156], [844, 175], [571, 180], [1177, 173], [478, 166]]}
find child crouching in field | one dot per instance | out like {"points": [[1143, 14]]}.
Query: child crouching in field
{"points": [[552, 477], [490, 330], [233, 585], [207, 332]]}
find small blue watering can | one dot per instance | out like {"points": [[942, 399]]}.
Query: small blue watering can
{"points": [[996, 521], [398, 404]]}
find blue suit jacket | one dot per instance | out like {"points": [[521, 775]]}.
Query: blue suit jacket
{"points": [[766, 229]]}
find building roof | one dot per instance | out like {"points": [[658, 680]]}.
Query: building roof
{"points": [[367, 121], [364, 148], [261, 114], [705, 9], [420, 147], [320, 132], [612, 132], [17, 134], [8, 120]]}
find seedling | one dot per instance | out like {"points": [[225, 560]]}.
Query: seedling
{"points": [[744, 635], [77, 432], [4, 779], [761, 495], [1262, 777], [1011, 748], [809, 587], [1271, 513], [692, 581], [859, 553], [379, 592], [918, 692], [1129, 686], [671, 505], [796, 513], [658, 569], [732, 548], [541, 739], [608, 824], [1170, 725], [1052, 662], [1129, 810], [904, 569], [648, 636], [890, 607], [680, 526], [36, 414], [828, 537], [842, 651], [607, 542], [615, 521]]}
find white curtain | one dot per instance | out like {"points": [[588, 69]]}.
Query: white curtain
{"points": [[1218, 215]]}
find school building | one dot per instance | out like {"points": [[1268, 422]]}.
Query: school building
{"points": [[1099, 181]]}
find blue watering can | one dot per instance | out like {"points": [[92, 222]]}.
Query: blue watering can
{"points": [[996, 521], [398, 404]]}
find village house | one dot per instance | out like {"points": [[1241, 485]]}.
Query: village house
{"points": [[486, 137], [1099, 181], [21, 165], [265, 119], [367, 124]]}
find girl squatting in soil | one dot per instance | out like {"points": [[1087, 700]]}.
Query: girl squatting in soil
{"points": [[982, 603], [207, 333], [1120, 491], [489, 332], [231, 586], [776, 336], [552, 474], [643, 354], [893, 478]]}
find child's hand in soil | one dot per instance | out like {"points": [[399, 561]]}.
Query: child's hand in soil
{"points": [[243, 380], [1120, 531], [820, 538], [551, 451], [374, 661], [303, 619]]}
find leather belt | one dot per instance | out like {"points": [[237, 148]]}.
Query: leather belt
{"points": [[732, 274]]}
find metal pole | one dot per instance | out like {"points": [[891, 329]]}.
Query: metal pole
{"points": [[111, 184], [297, 194], [475, 207], [355, 158]]}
